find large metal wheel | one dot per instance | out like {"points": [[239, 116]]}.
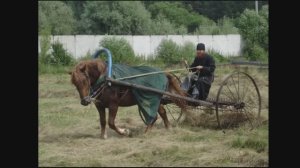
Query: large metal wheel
{"points": [[238, 101], [174, 113]]}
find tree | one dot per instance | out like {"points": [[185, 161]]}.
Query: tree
{"points": [[161, 25], [218, 9], [56, 16], [117, 17], [179, 15], [254, 29], [77, 7]]}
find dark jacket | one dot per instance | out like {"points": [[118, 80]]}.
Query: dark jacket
{"points": [[206, 76], [208, 64]]}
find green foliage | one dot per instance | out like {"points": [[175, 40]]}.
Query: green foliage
{"points": [[187, 51], [254, 29], [179, 15], [161, 25], [60, 56], [168, 51], [219, 58], [115, 17], [224, 26], [217, 9], [45, 45], [227, 26], [255, 52], [120, 48], [258, 145], [171, 53], [53, 69], [57, 16], [207, 30], [143, 17], [87, 56]]}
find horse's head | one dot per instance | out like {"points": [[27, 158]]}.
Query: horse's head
{"points": [[84, 76]]}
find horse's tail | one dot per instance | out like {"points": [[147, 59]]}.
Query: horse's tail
{"points": [[174, 87]]}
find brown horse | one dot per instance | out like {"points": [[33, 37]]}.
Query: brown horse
{"points": [[86, 74]]}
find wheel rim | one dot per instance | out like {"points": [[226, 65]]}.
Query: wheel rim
{"points": [[241, 92], [174, 113]]}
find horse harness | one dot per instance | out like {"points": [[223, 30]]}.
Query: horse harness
{"points": [[97, 89]]}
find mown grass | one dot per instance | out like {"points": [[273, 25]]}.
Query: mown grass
{"points": [[69, 135]]}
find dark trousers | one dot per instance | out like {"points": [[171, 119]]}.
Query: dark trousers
{"points": [[203, 85]]}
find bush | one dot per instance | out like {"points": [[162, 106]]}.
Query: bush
{"points": [[120, 49], [217, 56], [171, 53], [187, 51], [168, 51], [256, 53], [59, 55], [254, 29]]}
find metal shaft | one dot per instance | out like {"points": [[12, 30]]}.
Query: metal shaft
{"points": [[200, 102], [152, 73]]}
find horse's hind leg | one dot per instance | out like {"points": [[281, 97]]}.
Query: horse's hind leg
{"points": [[162, 112], [113, 109]]}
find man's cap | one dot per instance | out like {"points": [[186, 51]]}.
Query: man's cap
{"points": [[200, 46]]}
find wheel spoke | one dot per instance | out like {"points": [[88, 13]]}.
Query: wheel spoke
{"points": [[245, 91], [235, 88], [169, 111], [248, 91], [245, 112], [230, 97], [229, 117], [231, 93], [249, 101], [250, 110], [239, 85]]}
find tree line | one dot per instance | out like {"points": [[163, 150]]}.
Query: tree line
{"points": [[141, 17], [160, 18]]}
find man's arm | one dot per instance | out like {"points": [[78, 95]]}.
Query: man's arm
{"points": [[210, 67]]}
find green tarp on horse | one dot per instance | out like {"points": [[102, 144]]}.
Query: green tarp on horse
{"points": [[148, 102]]}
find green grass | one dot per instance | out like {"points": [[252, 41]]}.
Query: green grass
{"points": [[259, 145], [69, 135], [53, 69]]}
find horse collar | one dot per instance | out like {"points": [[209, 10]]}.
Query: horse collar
{"points": [[98, 83]]}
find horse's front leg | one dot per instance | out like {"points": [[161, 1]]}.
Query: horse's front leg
{"points": [[113, 109], [101, 111]]}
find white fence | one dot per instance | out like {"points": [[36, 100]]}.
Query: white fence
{"points": [[79, 45]]}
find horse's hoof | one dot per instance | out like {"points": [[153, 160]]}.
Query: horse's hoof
{"points": [[103, 136], [126, 132]]}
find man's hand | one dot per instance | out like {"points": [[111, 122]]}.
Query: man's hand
{"points": [[199, 67]]}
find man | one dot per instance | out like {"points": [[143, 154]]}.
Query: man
{"points": [[204, 65]]}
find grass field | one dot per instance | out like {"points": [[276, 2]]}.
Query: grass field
{"points": [[69, 134]]}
